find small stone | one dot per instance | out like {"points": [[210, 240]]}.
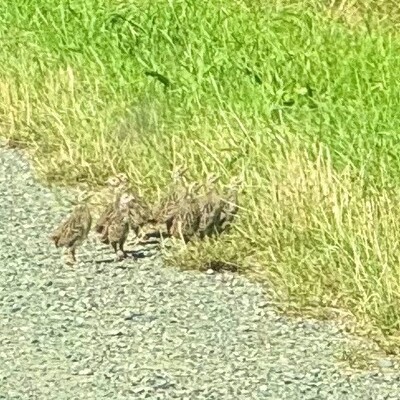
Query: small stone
{"points": [[85, 371], [129, 315], [115, 332], [15, 307], [385, 363], [209, 271], [139, 389], [79, 321], [245, 328]]}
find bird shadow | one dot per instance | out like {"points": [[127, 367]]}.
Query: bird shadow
{"points": [[129, 254], [105, 261], [135, 254]]}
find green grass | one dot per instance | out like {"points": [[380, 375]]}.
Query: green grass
{"points": [[301, 98]]}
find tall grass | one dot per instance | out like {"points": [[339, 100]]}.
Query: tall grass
{"points": [[300, 97]]}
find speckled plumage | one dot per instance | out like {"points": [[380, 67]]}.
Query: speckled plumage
{"points": [[103, 221], [73, 231], [210, 209], [185, 222], [180, 213], [216, 211], [113, 224]]}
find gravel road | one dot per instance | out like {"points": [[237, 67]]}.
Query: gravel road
{"points": [[138, 330]]}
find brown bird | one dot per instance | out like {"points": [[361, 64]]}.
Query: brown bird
{"points": [[118, 228], [185, 223], [139, 216], [73, 231], [115, 184], [103, 220], [117, 180], [175, 192], [217, 211], [182, 217], [115, 226], [161, 212]]}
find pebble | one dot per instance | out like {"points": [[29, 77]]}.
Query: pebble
{"points": [[79, 321], [385, 363], [210, 271], [85, 371]]}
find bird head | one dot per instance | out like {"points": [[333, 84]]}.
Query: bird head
{"points": [[127, 201], [82, 198], [117, 180]]}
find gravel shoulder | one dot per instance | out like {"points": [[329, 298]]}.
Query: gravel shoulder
{"points": [[138, 330]]}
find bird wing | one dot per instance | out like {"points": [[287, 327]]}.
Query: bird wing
{"points": [[104, 218], [72, 232], [117, 227]]}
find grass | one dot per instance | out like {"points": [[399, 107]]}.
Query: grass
{"points": [[301, 97]]}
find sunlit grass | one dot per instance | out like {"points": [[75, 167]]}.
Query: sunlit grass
{"points": [[299, 97]]}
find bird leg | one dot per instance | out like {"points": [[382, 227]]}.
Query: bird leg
{"points": [[138, 236], [121, 251], [182, 237], [137, 240], [70, 256], [119, 254], [141, 237], [114, 246]]}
